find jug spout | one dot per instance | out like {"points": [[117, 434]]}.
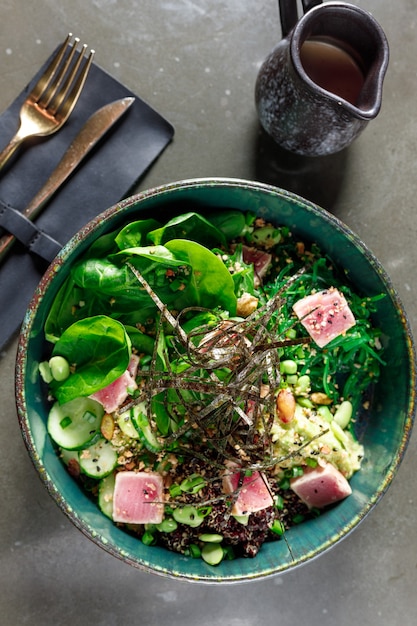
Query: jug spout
{"points": [[370, 97], [357, 34]]}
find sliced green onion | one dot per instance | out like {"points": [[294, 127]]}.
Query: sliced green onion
{"points": [[285, 483], [279, 501], [89, 417], [277, 527], [148, 538], [188, 515], [168, 525], [175, 490], [195, 551], [65, 422], [229, 553], [193, 484], [204, 510], [297, 471]]}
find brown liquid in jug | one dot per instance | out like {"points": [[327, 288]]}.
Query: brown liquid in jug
{"points": [[332, 68]]}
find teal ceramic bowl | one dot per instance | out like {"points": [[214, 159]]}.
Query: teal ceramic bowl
{"points": [[385, 434]]}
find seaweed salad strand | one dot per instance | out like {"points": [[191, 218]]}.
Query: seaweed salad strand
{"points": [[190, 396]]}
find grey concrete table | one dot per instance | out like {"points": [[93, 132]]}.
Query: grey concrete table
{"points": [[196, 63]]}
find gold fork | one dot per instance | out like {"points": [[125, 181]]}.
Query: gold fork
{"points": [[54, 96]]}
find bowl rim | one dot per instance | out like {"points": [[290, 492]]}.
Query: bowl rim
{"points": [[74, 247]]}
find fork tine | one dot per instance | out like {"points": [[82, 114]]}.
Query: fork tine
{"points": [[50, 71], [73, 96], [52, 88], [65, 88], [52, 100]]}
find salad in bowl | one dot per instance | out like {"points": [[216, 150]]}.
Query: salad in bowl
{"points": [[208, 377]]}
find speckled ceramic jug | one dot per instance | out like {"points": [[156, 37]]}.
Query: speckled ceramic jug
{"points": [[304, 113]]}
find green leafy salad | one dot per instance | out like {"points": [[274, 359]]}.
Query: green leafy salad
{"points": [[206, 377]]}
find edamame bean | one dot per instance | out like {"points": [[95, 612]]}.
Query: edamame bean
{"points": [[305, 402], [343, 414], [338, 432], [291, 379], [60, 368], [212, 553], [211, 538], [288, 367], [303, 385], [325, 413]]}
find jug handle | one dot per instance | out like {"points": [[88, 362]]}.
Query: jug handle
{"points": [[289, 15]]}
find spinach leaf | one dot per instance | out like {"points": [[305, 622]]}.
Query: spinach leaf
{"points": [[61, 313], [211, 284], [114, 278], [135, 233], [192, 226], [140, 341], [99, 349], [167, 275], [74, 302], [182, 274], [243, 274], [102, 246], [232, 223]]}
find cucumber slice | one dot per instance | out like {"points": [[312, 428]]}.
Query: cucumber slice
{"points": [[105, 494], [146, 434], [99, 459], [75, 424], [124, 421]]}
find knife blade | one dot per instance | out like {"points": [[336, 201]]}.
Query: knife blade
{"points": [[90, 134]]}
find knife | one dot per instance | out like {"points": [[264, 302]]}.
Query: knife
{"points": [[90, 134]]}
